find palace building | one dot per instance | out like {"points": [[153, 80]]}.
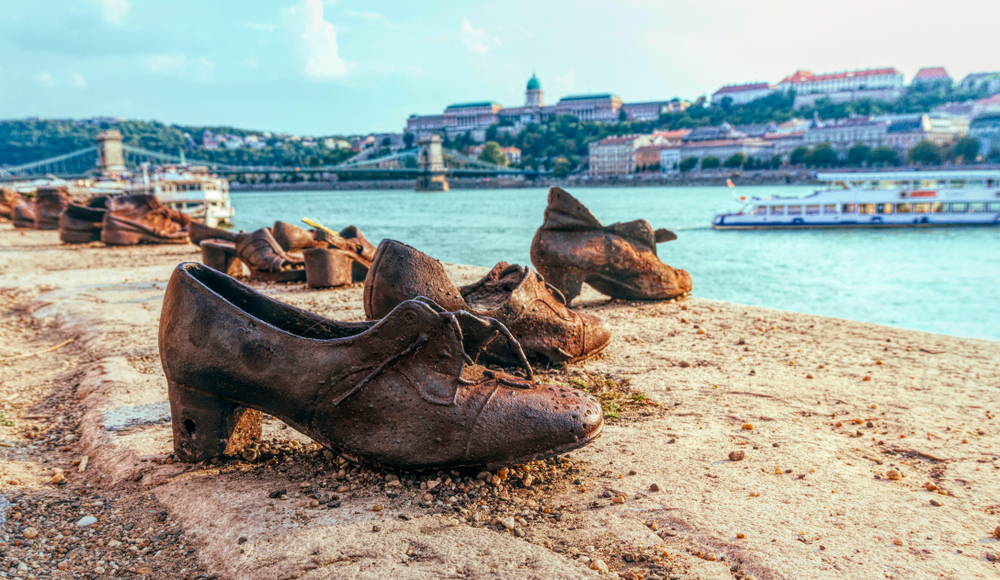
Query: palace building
{"points": [[475, 118]]}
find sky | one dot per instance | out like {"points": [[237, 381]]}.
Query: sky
{"points": [[325, 67]]}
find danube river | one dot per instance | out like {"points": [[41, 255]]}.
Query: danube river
{"points": [[944, 280]]}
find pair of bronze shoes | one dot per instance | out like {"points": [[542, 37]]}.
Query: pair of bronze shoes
{"points": [[81, 222], [9, 199], [141, 219], [535, 313], [572, 248], [40, 213], [400, 392]]}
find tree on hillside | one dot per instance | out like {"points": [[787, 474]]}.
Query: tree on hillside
{"points": [[925, 153], [776, 162], [883, 155], [858, 154], [561, 167], [710, 162], [966, 149], [736, 160], [822, 155], [493, 154], [688, 164], [408, 139], [798, 156]]}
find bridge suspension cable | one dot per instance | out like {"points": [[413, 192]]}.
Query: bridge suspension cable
{"points": [[53, 164]]}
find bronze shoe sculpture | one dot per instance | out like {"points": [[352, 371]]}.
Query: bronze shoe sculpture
{"points": [[199, 232], [619, 260], [397, 393], [291, 237], [23, 214], [267, 261], [81, 222], [9, 199], [515, 296], [141, 219], [49, 203]]}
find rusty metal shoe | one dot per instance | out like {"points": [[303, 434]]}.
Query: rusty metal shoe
{"points": [[291, 237], [141, 219], [266, 260], [9, 199], [397, 392], [23, 215], [81, 222], [199, 232], [49, 203], [619, 260], [516, 296]]}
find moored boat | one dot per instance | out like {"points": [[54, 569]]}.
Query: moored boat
{"points": [[878, 199], [194, 191]]}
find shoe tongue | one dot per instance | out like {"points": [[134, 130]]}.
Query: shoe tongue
{"points": [[565, 212], [495, 288], [639, 232]]}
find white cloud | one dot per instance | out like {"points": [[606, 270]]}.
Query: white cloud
{"points": [[46, 79], [317, 40], [176, 64], [476, 39], [369, 15], [77, 80], [258, 26], [115, 10]]}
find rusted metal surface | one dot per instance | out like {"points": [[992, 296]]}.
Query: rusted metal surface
{"points": [[9, 199], [198, 232], [81, 222], [23, 215], [398, 392], [572, 248], [291, 237], [49, 203], [262, 254], [516, 296], [221, 255], [141, 219], [328, 267]]}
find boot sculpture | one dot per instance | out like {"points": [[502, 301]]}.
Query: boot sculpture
{"points": [[517, 297], [619, 260], [9, 199], [81, 223], [397, 392], [199, 232], [142, 219], [49, 203], [23, 214]]}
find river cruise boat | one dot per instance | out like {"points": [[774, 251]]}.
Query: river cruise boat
{"points": [[192, 190], [878, 199]]}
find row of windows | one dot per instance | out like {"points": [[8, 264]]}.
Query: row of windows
{"points": [[879, 208]]}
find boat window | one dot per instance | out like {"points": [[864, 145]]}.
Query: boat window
{"points": [[830, 208], [884, 207], [812, 210], [760, 210], [866, 208], [938, 207], [904, 208], [994, 206], [848, 207], [959, 207], [795, 210], [921, 208], [777, 210], [977, 207]]}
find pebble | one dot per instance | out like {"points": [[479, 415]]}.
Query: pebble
{"points": [[599, 566], [58, 478], [508, 523], [996, 532], [930, 486], [654, 487], [519, 532], [741, 536], [377, 507], [898, 541], [343, 489], [250, 454], [893, 475], [428, 497], [618, 499], [30, 533], [313, 503], [747, 427], [936, 503], [583, 560], [737, 455], [86, 521]]}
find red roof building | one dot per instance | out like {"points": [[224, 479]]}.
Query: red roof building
{"points": [[804, 82], [742, 94], [931, 76]]}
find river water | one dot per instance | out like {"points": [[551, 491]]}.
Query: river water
{"points": [[944, 280]]}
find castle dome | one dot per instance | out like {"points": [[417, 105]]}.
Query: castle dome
{"points": [[533, 84]]}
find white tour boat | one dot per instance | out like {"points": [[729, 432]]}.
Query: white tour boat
{"points": [[194, 191], [878, 199]]}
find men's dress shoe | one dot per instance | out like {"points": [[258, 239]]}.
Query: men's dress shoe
{"points": [[291, 237], [619, 260], [352, 241], [23, 215], [397, 392], [81, 222], [49, 203], [9, 199], [142, 219], [266, 260], [516, 296], [199, 232]]}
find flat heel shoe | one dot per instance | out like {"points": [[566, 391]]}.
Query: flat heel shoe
{"points": [[207, 426]]}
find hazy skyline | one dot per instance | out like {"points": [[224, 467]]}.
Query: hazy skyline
{"points": [[320, 67]]}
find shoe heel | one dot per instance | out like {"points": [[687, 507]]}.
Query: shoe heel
{"points": [[206, 426], [567, 283]]}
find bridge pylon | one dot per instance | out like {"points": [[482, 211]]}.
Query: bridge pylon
{"points": [[111, 157], [431, 161]]}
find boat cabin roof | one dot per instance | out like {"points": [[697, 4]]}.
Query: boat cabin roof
{"points": [[860, 180]]}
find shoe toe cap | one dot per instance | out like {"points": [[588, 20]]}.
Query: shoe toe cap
{"points": [[596, 334]]}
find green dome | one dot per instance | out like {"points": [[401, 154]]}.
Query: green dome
{"points": [[533, 84]]}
